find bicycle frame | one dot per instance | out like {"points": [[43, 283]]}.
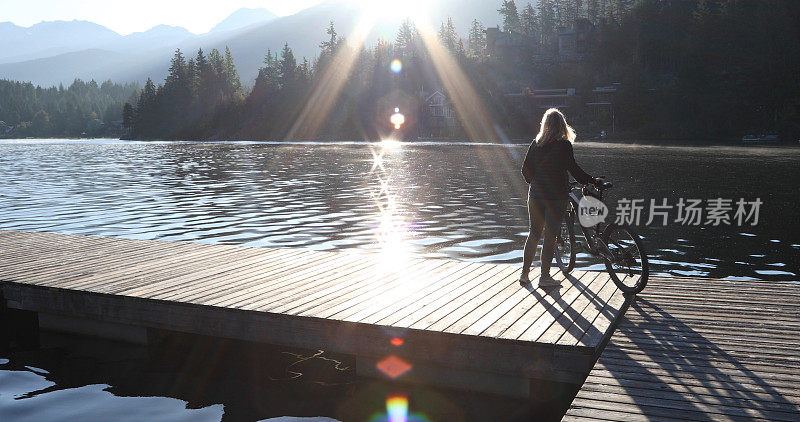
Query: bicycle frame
{"points": [[591, 234]]}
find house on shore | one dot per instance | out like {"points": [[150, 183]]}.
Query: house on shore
{"points": [[438, 117]]}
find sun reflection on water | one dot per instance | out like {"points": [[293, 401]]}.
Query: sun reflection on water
{"points": [[391, 228]]}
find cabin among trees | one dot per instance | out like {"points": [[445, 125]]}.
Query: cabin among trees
{"points": [[438, 117]]}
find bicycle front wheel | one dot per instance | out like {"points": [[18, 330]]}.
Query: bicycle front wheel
{"points": [[565, 243], [625, 259]]}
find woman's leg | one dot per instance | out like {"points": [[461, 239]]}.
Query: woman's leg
{"points": [[536, 221], [554, 214]]}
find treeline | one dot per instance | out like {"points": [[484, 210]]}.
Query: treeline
{"points": [[202, 97], [688, 70], [704, 70], [82, 109]]}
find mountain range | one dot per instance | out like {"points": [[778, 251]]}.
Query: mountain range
{"points": [[50, 53]]}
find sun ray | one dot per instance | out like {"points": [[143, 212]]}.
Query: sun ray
{"points": [[327, 90], [473, 116]]}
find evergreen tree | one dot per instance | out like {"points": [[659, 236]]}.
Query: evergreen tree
{"points": [[510, 16], [407, 39], [330, 46], [203, 79], [448, 35], [593, 11], [304, 70], [268, 79], [178, 74], [547, 23], [145, 116], [528, 21], [128, 116], [476, 41], [563, 12], [233, 84], [216, 64], [287, 66], [41, 123]]}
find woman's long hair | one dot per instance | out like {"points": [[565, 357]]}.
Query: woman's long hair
{"points": [[554, 127]]}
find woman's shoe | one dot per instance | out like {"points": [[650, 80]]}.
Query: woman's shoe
{"points": [[523, 279], [546, 280]]}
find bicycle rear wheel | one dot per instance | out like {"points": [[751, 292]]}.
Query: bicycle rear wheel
{"points": [[625, 259], [565, 242]]}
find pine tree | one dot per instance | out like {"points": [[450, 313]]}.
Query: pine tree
{"points": [[177, 86], [216, 78], [476, 41], [41, 123], [233, 85], [191, 72], [563, 12], [144, 117], [287, 66], [304, 71], [329, 47], [448, 35], [128, 116], [407, 38], [528, 21], [593, 11], [547, 23], [268, 79], [177, 70], [510, 16], [203, 78]]}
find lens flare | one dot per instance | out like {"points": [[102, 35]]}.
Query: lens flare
{"points": [[397, 408], [397, 118], [393, 366], [397, 341], [396, 66]]}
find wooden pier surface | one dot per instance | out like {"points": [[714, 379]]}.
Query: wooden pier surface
{"points": [[463, 324], [699, 350]]}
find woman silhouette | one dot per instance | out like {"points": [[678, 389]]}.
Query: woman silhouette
{"points": [[546, 164]]}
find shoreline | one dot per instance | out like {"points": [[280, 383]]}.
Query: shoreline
{"points": [[454, 142]]}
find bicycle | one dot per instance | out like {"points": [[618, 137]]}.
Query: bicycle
{"points": [[618, 246]]}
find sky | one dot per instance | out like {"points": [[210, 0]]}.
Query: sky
{"points": [[124, 17]]}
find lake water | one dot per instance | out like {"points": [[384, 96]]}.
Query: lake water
{"points": [[461, 201]]}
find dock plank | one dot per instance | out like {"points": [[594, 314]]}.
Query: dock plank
{"points": [[679, 353], [455, 316]]}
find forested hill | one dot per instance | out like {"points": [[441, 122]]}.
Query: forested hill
{"points": [[84, 109], [699, 71]]}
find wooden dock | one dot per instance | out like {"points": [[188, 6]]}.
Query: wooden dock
{"points": [[461, 324], [699, 350]]}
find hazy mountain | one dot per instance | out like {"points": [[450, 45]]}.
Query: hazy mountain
{"points": [[155, 37], [244, 17], [64, 68], [303, 31], [51, 38]]}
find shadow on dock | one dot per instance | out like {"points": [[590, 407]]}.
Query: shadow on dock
{"points": [[700, 353]]}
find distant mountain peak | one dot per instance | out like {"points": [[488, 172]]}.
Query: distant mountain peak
{"points": [[244, 17], [165, 29]]}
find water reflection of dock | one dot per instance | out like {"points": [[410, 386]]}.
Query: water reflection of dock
{"points": [[462, 324]]}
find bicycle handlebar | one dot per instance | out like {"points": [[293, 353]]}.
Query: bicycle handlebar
{"points": [[602, 186]]}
